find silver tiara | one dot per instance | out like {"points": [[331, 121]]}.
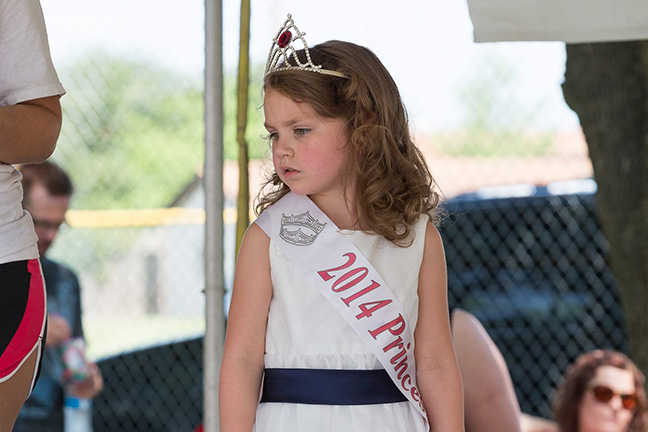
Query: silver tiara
{"points": [[282, 51]]}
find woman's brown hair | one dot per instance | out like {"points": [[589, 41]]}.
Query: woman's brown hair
{"points": [[576, 380], [393, 184]]}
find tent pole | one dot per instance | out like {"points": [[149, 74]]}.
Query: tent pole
{"points": [[213, 186]]}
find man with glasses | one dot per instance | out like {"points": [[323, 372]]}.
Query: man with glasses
{"points": [[47, 193]]}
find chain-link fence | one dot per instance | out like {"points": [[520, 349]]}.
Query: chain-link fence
{"points": [[533, 269], [528, 261]]}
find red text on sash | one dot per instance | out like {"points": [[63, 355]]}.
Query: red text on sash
{"points": [[348, 279]]}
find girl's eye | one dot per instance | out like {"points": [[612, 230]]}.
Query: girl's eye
{"points": [[272, 136], [301, 131]]}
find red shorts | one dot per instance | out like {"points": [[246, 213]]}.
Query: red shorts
{"points": [[23, 311]]}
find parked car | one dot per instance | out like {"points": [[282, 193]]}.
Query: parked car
{"points": [[530, 262]]}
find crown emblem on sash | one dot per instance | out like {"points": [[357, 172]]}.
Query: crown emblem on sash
{"points": [[291, 229]]}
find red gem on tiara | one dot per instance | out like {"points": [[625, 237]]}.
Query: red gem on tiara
{"points": [[284, 39]]}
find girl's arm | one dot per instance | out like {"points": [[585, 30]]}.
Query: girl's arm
{"points": [[437, 372], [242, 368], [491, 404], [29, 130]]}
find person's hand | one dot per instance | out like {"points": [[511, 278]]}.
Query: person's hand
{"points": [[91, 386], [58, 330]]}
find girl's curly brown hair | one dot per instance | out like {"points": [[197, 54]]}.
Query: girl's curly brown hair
{"points": [[393, 184], [579, 375]]}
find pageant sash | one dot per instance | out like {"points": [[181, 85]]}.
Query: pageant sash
{"points": [[349, 282]]}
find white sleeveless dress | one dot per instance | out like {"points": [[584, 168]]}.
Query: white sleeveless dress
{"points": [[305, 331]]}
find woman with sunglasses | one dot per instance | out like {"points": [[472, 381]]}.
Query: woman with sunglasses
{"points": [[602, 391]]}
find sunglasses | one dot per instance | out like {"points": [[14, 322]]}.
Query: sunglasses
{"points": [[605, 394]]}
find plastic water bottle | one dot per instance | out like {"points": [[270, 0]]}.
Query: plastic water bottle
{"points": [[73, 353], [77, 414]]}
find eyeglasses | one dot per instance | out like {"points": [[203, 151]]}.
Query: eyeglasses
{"points": [[605, 394]]}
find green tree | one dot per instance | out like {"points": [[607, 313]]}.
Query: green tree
{"points": [[133, 131], [133, 137], [132, 134]]}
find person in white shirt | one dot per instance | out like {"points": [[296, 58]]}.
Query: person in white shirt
{"points": [[30, 122]]}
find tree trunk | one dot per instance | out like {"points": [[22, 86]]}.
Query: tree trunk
{"points": [[606, 84]]}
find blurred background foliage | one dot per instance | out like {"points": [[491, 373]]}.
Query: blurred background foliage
{"points": [[133, 130]]}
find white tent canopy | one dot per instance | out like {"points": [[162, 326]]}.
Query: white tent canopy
{"points": [[572, 21]]}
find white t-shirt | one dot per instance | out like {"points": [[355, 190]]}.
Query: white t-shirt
{"points": [[26, 73]]}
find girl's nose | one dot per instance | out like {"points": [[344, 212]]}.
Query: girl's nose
{"points": [[281, 147]]}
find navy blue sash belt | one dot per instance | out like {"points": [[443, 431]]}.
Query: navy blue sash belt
{"points": [[330, 387]]}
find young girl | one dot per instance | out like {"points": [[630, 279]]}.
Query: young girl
{"points": [[339, 316]]}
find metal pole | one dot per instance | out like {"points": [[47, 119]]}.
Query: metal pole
{"points": [[243, 201], [213, 185]]}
